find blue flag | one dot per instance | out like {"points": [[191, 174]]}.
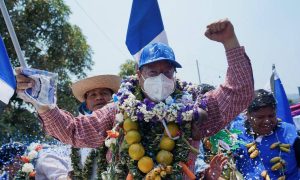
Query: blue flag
{"points": [[7, 78], [283, 108], [145, 26]]}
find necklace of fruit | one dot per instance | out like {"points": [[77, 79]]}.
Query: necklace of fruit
{"points": [[164, 157], [278, 162]]}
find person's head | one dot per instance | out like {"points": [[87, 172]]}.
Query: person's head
{"points": [[95, 92], [261, 113], [156, 71], [97, 98], [204, 88], [10, 156]]}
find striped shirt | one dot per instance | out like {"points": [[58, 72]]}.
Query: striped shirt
{"points": [[224, 103]]}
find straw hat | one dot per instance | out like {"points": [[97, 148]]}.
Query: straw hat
{"points": [[80, 88]]}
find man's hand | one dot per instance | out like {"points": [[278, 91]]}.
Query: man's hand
{"points": [[24, 83], [222, 31], [216, 167]]}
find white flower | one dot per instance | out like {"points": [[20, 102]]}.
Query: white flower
{"points": [[187, 98], [32, 154], [119, 117], [27, 168], [110, 141], [32, 146]]}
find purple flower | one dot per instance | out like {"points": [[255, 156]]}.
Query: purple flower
{"points": [[179, 116], [149, 104], [203, 103], [195, 114], [140, 116]]}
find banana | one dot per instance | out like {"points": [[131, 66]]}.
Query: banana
{"points": [[285, 149], [163, 174], [250, 144], [274, 145], [169, 169], [285, 145], [252, 149], [275, 159], [277, 166], [157, 177], [282, 162], [150, 176], [267, 177], [157, 170], [281, 178], [263, 173], [254, 154]]}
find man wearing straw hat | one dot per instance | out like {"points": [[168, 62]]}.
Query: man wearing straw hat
{"points": [[93, 93]]}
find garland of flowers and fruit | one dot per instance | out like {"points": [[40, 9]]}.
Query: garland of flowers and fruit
{"points": [[278, 162], [29, 160], [145, 148], [86, 171]]}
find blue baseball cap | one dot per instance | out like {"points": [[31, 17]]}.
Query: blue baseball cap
{"points": [[157, 52]]}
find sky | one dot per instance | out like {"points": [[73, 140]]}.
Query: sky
{"points": [[269, 31]]}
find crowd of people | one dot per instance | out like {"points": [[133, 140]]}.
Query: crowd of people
{"points": [[154, 126]]}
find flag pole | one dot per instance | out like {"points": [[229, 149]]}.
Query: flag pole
{"points": [[12, 34], [198, 71]]}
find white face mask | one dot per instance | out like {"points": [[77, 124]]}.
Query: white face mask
{"points": [[158, 88]]}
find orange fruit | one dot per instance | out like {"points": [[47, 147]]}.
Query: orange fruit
{"points": [[173, 129], [164, 157], [130, 125], [132, 137], [166, 143], [145, 164], [136, 151]]}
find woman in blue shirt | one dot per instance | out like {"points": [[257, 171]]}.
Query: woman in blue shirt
{"points": [[271, 145]]}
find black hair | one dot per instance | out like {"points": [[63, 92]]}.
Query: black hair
{"points": [[204, 88], [262, 98], [9, 151]]}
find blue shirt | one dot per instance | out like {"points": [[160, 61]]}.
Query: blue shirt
{"points": [[252, 168]]}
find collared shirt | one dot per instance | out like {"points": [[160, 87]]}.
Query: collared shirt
{"points": [[224, 103]]}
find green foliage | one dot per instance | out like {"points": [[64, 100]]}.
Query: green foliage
{"points": [[50, 43], [128, 68]]}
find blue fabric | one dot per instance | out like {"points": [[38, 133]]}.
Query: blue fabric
{"points": [[200, 164], [83, 109], [4, 176], [252, 168], [6, 71], [145, 24], [283, 108]]}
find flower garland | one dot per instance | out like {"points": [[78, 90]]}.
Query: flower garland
{"points": [[29, 159], [144, 127], [86, 171], [177, 107]]}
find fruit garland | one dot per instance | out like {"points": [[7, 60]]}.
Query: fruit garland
{"points": [[146, 149], [278, 162]]}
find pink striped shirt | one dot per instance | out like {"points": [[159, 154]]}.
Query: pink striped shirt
{"points": [[224, 103]]}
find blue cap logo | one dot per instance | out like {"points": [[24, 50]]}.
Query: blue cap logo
{"points": [[157, 52]]}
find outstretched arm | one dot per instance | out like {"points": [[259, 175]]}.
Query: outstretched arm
{"points": [[82, 131], [234, 95]]}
